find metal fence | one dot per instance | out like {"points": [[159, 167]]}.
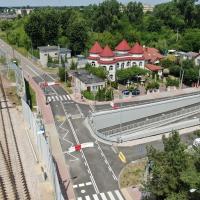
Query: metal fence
{"points": [[43, 148]]}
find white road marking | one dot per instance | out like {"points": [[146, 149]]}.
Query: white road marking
{"points": [[81, 185], [75, 186], [95, 197], [82, 191], [106, 161], [57, 98], [64, 97], [87, 197], [48, 99], [79, 109], [103, 196], [119, 195], [68, 97], [113, 148], [53, 98], [61, 98], [88, 183], [111, 195], [83, 155], [79, 198]]}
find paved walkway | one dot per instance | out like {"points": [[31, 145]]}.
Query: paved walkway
{"points": [[77, 97]]}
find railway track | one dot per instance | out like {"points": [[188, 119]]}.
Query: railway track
{"points": [[13, 185]]}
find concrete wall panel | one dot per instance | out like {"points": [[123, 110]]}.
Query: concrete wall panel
{"points": [[110, 118]]}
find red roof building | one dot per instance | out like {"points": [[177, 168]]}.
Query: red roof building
{"points": [[123, 46], [136, 49], [152, 55], [153, 68], [124, 57], [96, 48], [107, 52]]}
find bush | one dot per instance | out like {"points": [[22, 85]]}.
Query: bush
{"points": [[152, 85], [114, 85], [172, 82], [88, 95]]}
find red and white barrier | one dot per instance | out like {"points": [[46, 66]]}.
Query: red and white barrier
{"points": [[113, 105], [78, 147], [45, 84]]}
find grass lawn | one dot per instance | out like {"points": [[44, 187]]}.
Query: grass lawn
{"points": [[133, 174], [33, 98], [11, 75]]}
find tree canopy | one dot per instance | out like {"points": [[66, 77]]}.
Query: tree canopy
{"points": [[174, 170], [175, 24]]}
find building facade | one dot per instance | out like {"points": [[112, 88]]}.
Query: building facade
{"points": [[83, 80], [123, 57]]}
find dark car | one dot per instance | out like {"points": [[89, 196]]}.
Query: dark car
{"points": [[135, 92], [125, 92]]}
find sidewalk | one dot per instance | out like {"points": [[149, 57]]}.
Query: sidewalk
{"points": [[77, 97]]}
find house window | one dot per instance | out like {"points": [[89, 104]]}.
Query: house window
{"points": [[117, 65], [93, 64], [111, 68], [140, 64], [56, 54], [111, 77], [122, 66], [128, 64], [134, 64], [45, 54]]}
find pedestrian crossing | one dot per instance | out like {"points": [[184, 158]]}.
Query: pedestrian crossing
{"points": [[59, 98], [110, 195]]}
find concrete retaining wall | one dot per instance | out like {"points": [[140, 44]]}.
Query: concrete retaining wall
{"points": [[110, 118]]}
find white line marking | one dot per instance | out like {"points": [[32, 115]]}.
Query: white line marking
{"points": [[53, 98], [64, 97], [119, 195], [61, 98], [88, 183], [79, 198], [95, 197], [111, 195], [113, 148], [75, 186], [87, 197], [49, 99], [81, 185], [83, 155], [109, 167], [103, 196], [68, 97], [57, 98]]}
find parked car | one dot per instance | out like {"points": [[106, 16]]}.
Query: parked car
{"points": [[135, 92], [125, 92]]}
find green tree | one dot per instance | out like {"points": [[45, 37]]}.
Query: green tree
{"points": [[62, 74], [129, 73], [167, 167], [135, 12], [35, 30], [77, 35]]}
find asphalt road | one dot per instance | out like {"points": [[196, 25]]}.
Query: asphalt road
{"points": [[94, 170]]}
